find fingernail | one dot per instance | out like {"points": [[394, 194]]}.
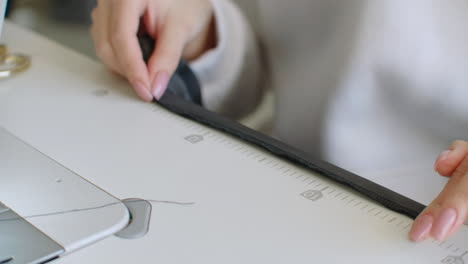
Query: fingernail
{"points": [[444, 155], [142, 91], [444, 223], [160, 84], [421, 228]]}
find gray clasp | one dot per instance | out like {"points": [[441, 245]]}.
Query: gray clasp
{"points": [[140, 216]]}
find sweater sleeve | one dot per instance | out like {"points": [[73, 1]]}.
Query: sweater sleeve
{"points": [[422, 76], [230, 74]]}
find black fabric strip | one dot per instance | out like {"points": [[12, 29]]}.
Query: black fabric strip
{"points": [[183, 97], [380, 194]]}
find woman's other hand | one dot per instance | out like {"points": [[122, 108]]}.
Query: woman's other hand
{"points": [[450, 209]]}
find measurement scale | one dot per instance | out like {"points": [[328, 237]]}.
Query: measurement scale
{"points": [[249, 205]]}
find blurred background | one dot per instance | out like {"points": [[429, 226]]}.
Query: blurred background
{"points": [[65, 21]]}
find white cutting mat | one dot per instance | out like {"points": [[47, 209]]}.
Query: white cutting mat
{"points": [[250, 207]]}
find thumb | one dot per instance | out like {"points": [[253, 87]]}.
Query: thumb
{"points": [[448, 161], [166, 56]]}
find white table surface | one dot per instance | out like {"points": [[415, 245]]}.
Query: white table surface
{"points": [[104, 133]]}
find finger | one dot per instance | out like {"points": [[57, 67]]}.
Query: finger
{"points": [[166, 56], [125, 20], [448, 161], [150, 18], [105, 53], [99, 33], [448, 211]]}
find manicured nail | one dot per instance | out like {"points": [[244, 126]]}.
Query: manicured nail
{"points": [[421, 228], [444, 223], [444, 155], [142, 91], [160, 83]]}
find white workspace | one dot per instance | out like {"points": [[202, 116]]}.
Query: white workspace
{"points": [[86, 152]]}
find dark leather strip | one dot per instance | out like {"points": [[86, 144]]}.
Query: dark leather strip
{"points": [[378, 193]]}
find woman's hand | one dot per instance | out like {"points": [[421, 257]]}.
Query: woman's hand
{"points": [[450, 209], [181, 28]]}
